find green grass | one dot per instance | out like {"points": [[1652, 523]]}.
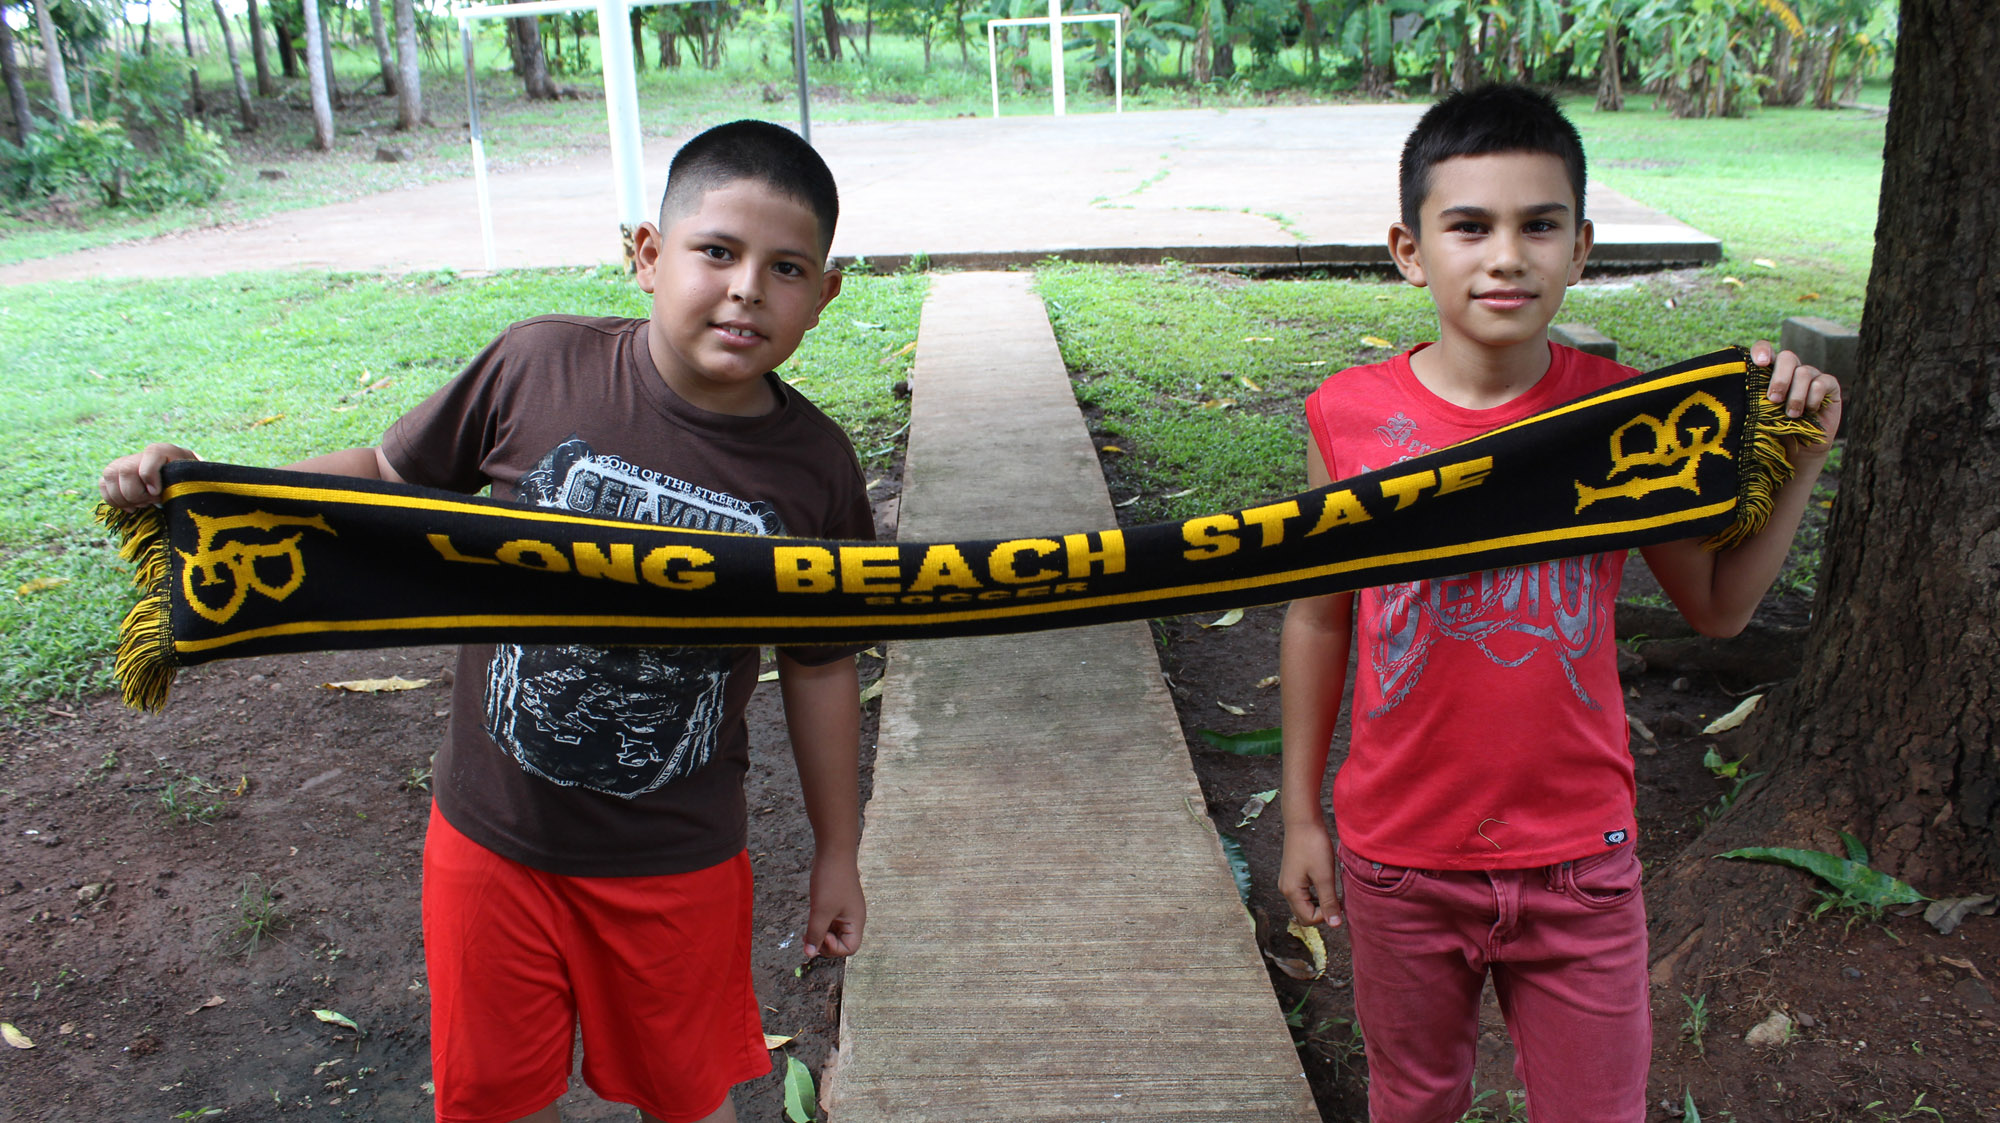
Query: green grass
{"points": [[268, 369], [1159, 351]]}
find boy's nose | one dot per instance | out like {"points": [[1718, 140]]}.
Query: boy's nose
{"points": [[744, 287]]}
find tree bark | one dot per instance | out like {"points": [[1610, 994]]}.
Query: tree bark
{"points": [[52, 61], [830, 23], [246, 114], [1889, 730], [194, 76], [317, 74], [259, 54], [529, 61], [378, 30], [409, 78], [1610, 91], [325, 49], [637, 19], [17, 90], [288, 51]]}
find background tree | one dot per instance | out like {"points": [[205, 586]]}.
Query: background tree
{"points": [[259, 55], [524, 42], [317, 73], [378, 31], [195, 103], [52, 59], [829, 20], [17, 91], [1889, 729], [246, 115], [409, 80]]}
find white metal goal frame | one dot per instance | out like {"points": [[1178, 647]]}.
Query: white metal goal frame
{"points": [[621, 99], [1054, 21]]}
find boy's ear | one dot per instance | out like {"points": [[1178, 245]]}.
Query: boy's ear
{"points": [[1586, 236], [1409, 257], [647, 241], [829, 287]]}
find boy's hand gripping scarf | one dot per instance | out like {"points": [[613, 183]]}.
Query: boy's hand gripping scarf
{"points": [[244, 561]]}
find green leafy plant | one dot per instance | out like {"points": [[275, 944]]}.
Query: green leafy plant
{"points": [[1731, 770], [1689, 1112], [255, 917], [1695, 1025], [1856, 888], [191, 799]]}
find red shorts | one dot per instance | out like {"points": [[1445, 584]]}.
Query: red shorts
{"points": [[656, 970]]}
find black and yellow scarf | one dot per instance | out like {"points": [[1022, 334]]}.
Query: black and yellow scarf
{"points": [[244, 561]]}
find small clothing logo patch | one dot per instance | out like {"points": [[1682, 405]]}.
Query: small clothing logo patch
{"points": [[1613, 838]]}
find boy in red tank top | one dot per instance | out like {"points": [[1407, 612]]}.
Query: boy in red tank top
{"points": [[1486, 803]]}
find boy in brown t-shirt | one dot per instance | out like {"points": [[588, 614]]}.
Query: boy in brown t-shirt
{"points": [[585, 862]]}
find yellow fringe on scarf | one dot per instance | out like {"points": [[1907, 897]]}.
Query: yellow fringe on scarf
{"points": [[1764, 467], [145, 663]]}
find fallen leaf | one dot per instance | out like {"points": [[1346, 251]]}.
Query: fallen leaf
{"points": [[1947, 914], [1178, 494], [801, 1099], [1112, 449], [42, 585], [1127, 503], [1296, 968], [772, 1040], [864, 325], [1764, 261], [873, 653], [1314, 363], [1229, 709], [263, 421], [1267, 682], [15, 1037], [906, 348], [1259, 338], [1808, 297], [1732, 282], [872, 691], [429, 1088], [1219, 403], [213, 1001], [1639, 727], [769, 676], [336, 1018], [1247, 384], [1255, 805], [1227, 620], [379, 384], [1376, 341], [1314, 943], [1257, 742], [1735, 717], [378, 685]]}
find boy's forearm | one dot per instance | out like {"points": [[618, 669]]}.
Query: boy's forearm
{"points": [[361, 463], [1312, 671], [1718, 592], [823, 715]]}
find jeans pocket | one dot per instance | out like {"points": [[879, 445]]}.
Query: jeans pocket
{"points": [[1603, 881], [1375, 877]]}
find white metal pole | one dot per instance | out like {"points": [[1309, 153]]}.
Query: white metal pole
{"points": [[799, 65], [993, 67], [478, 146], [621, 111], [1056, 52]]}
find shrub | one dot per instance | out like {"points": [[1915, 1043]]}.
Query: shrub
{"points": [[97, 158]]}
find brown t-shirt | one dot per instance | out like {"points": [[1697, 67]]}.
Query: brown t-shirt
{"points": [[614, 761]]}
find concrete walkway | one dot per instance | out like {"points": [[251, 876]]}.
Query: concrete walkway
{"points": [[1053, 933], [1307, 185]]}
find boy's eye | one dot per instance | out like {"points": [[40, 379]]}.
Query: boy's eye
{"points": [[717, 253], [789, 269], [1541, 226], [1467, 226]]}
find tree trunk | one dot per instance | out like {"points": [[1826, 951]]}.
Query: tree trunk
{"points": [[409, 79], [259, 54], [830, 23], [669, 53], [378, 30], [638, 21], [17, 90], [1888, 732], [326, 58], [194, 76], [52, 61], [246, 114], [1823, 93], [317, 74], [288, 51], [529, 62], [1610, 91]]}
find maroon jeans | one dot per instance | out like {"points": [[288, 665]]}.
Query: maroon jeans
{"points": [[1566, 946]]}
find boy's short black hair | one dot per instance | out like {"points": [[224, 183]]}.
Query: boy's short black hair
{"points": [[770, 154], [1491, 118]]}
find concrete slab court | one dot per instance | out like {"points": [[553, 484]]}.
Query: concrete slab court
{"points": [[1276, 187], [1053, 933]]}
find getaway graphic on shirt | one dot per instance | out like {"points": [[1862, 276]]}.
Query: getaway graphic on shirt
{"points": [[1509, 615], [618, 720]]}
